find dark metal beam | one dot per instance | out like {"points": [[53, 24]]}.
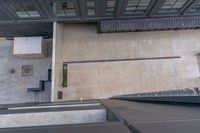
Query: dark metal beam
{"points": [[44, 9], [100, 8], [156, 7], [82, 5], [186, 6], [117, 60], [150, 7], [121, 7], [192, 3]]}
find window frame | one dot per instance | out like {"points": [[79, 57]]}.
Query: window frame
{"points": [[14, 14], [57, 18], [171, 8], [95, 8], [193, 3], [106, 7], [142, 15], [4, 16], [160, 3]]}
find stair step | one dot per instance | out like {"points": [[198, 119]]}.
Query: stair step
{"points": [[34, 89]]}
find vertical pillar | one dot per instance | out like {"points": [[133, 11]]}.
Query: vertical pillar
{"points": [[57, 63]]}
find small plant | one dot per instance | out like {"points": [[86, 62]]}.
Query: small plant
{"points": [[64, 83]]}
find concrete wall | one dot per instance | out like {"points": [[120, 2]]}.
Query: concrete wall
{"points": [[52, 118], [104, 79]]}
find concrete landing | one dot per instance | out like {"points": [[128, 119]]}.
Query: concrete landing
{"points": [[92, 75], [13, 84]]}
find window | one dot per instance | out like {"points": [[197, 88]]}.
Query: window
{"points": [[62, 8], [25, 10], [171, 6], [110, 7], [91, 7], [195, 8], [137, 6]]}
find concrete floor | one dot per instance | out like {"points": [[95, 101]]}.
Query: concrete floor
{"points": [[99, 80], [13, 86]]}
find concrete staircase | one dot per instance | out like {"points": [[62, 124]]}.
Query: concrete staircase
{"points": [[43, 92]]}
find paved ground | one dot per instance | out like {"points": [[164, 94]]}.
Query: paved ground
{"points": [[106, 79], [13, 86]]}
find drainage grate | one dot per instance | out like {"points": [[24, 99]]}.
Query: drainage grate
{"points": [[27, 70]]}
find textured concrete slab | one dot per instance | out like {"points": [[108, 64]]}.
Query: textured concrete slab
{"points": [[157, 118], [88, 128]]}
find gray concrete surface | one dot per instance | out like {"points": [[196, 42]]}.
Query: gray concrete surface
{"points": [[29, 47], [53, 118], [116, 127], [80, 42], [156, 118], [13, 86]]}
